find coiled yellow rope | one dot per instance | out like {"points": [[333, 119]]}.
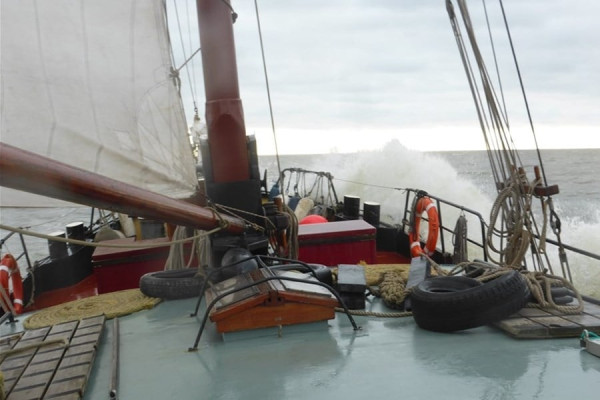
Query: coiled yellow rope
{"points": [[112, 305]]}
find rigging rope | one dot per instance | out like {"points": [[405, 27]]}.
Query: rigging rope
{"points": [[103, 244], [262, 51], [175, 72], [518, 226], [200, 248]]}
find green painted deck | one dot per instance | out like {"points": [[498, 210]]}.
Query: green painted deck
{"points": [[387, 358]]}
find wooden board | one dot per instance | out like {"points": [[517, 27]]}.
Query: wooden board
{"points": [[533, 323], [58, 364]]}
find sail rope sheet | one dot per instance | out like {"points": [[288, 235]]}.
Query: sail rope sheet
{"points": [[513, 223]]}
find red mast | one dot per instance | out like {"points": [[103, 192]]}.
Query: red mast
{"points": [[229, 157], [224, 114]]}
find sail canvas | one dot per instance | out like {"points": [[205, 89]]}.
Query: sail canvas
{"points": [[90, 84]]}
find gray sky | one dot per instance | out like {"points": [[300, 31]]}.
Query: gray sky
{"points": [[349, 75]]}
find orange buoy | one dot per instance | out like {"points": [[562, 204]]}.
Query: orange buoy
{"points": [[312, 219], [425, 204], [10, 270]]}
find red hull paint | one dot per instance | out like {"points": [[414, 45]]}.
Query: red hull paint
{"points": [[86, 288], [122, 268], [390, 257], [89, 286], [340, 242], [344, 242]]}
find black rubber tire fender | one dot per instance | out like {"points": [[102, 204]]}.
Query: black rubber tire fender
{"points": [[171, 285], [454, 303]]}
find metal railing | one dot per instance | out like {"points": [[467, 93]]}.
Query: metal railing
{"points": [[439, 202], [23, 253], [479, 241]]}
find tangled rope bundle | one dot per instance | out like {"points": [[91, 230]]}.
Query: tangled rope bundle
{"points": [[389, 283], [540, 284], [393, 290]]}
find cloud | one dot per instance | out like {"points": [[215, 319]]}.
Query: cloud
{"points": [[385, 65]]}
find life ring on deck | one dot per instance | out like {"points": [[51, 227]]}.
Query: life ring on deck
{"points": [[424, 204], [10, 270]]}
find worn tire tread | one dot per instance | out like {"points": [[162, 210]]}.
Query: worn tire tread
{"points": [[171, 285], [470, 307]]}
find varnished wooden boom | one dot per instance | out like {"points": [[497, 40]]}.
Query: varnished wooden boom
{"points": [[30, 172]]}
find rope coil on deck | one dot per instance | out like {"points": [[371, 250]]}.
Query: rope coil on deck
{"points": [[388, 281], [112, 305], [393, 290], [540, 284]]}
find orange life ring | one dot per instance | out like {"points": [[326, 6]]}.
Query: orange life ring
{"points": [[10, 270], [425, 204]]}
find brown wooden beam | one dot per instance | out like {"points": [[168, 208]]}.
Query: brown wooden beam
{"points": [[30, 172]]}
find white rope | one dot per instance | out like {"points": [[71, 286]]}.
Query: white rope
{"points": [[200, 250], [175, 260], [132, 245], [515, 191]]}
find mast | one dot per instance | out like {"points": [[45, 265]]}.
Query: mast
{"points": [[224, 114], [229, 157]]}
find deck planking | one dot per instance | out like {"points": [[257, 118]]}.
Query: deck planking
{"points": [[533, 323], [58, 364]]}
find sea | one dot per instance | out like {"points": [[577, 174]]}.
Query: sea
{"points": [[462, 177]]}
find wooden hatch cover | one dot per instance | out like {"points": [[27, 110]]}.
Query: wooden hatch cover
{"points": [[52, 362], [534, 323], [274, 301]]}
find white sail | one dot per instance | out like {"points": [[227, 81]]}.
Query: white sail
{"points": [[88, 83]]}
